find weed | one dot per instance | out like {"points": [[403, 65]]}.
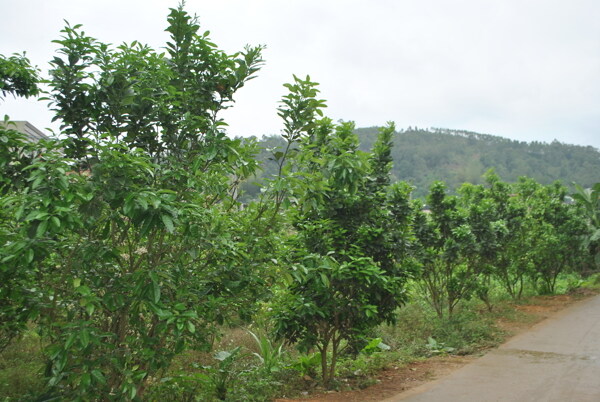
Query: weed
{"points": [[435, 348], [307, 365], [375, 345], [269, 353]]}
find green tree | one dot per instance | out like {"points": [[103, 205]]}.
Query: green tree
{"points": [[347, 268], [489, 228], [19, 78], [558, 232], [132, 247], [445, 243], [512, 262], [166, 104]]}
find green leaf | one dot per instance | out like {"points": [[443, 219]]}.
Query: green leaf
{"points": [[41, 229], [84, 337], [86, 380], [70, 340], [168, 222], [30, 255], [89, 308], [222, 355], [155, 291], [84, 290], [383, 346], [98, 376], [324, 279]]}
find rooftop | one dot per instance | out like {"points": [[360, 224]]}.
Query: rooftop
{"points": [[25, 127]]}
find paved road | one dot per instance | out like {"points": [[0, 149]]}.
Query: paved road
{"points": [[557, 360]]}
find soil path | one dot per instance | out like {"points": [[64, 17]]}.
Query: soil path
{"points": [[556, 360]]}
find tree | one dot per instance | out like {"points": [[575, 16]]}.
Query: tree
{"points": [[557, 233], [19, 78], [347, 269], [131, 247], [445, 243], [489, 228], [512, 262]]}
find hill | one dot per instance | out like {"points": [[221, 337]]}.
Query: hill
{"points": [[422, 156]]}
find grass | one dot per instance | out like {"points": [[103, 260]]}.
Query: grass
{"points": [[21, 368], [417, 335]]}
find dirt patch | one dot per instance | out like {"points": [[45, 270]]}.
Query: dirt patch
{"points": [[544, 305], [539, 308], [395, 380]]}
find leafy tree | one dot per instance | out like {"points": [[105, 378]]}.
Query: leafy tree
{"points": [[16, 154], [166, 104], [132, 247], [489, 228], [557, 234], [329, 302], [512, 262], [445, 244], [19, 78], [347, 269]]}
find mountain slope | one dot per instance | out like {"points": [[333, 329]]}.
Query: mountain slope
{"points": [[454, 156]]}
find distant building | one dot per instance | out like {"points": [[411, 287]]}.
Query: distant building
{"points": [[25, 127]]}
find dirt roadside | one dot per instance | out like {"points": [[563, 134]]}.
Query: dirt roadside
{"points": [[397, 381]]}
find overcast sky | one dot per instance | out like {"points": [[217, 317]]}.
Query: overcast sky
{"points": [[523, 69]]}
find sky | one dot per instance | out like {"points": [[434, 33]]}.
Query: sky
{"points": [[523, 69]]}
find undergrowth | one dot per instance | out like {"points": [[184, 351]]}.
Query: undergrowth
{"points": [[250, 366]]}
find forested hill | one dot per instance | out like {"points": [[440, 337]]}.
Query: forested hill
{"points": [[423, 156]]}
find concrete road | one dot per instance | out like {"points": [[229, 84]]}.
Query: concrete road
{"points": [[557, 360]]}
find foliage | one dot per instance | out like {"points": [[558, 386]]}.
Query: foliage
{"points": [[166, 104], [589, 199], [434, 347], [223, 374], [557, 234], [513, 233], [16, 153], [269, 353], [347, 260], [125, 243], [298, 111], [512, 263], [446, 242], [374, 345], [306, 364], [17, 76], [16, 156], [329, 302], [132, 248]]}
